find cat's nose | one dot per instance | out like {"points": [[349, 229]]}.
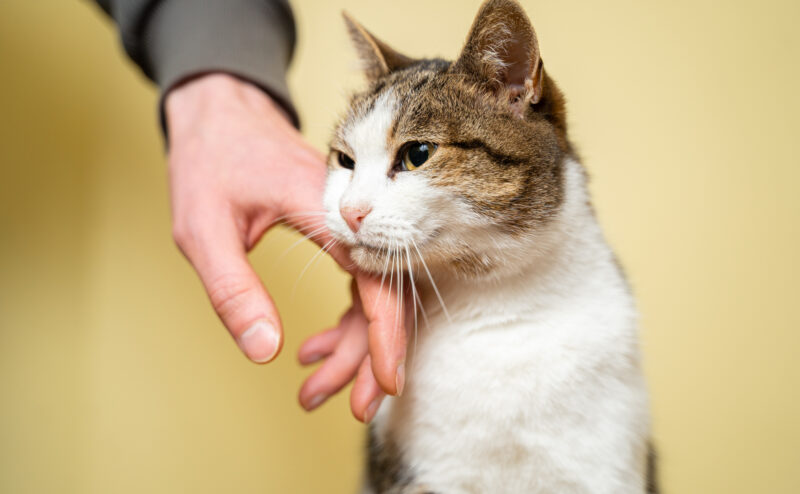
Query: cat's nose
{"points": [[354, 216]]}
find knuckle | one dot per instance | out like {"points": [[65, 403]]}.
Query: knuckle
{"points": [[179, 235], [184, 232], [229, 294]]}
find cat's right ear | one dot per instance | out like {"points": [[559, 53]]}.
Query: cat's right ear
{"points": [[378, 58]]}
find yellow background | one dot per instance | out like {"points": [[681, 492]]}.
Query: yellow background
{"points": [[116, 377]]}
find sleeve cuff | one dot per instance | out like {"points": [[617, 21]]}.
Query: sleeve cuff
{"points": [[250, 39]]}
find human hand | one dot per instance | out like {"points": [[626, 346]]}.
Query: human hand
{"points": [[237, 167]]}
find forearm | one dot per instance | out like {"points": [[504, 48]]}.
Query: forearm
{"points": [[175, 40]]}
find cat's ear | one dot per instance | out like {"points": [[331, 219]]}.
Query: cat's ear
{"points": [[378, 58], [502, 50]]}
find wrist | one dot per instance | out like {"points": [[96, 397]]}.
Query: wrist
{"points": [[213, 95]]}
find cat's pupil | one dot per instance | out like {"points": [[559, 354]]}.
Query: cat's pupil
{"points": [[346, 161], [418, 154]]}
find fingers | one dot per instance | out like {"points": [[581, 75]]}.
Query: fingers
{"points": [[214, 247], [382, 305], [387, 336], [319, 346], [366, 396], [341, 366]]}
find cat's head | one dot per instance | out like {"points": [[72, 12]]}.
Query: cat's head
{"points": [[455, 163]]}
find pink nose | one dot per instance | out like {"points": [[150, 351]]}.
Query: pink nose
{"points": [[354, 216]]}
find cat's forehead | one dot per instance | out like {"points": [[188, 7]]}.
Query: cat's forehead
{"points": [[367, 137], [394, 100], [405, 84]]}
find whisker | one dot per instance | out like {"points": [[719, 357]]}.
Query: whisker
{"points": [[322, 249], [300, 214], [383, 276], [433, 283], [413, 297], [305, 222], [399, 289], [298, 226], [422, 311], [311, 231], [391, 276], [308, 236]]}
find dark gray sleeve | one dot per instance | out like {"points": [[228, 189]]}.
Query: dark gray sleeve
{"points": [[173, 40]]}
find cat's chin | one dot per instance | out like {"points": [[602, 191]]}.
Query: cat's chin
{"points": [[380, 260], [370, 258], [459, 263]]}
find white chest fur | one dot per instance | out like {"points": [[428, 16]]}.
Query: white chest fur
{"points": [[533, 384]]}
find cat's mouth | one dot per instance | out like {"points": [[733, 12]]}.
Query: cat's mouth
{"points": [[432, 254], [380, 250], [380, 253], [396, 255], [389, 246]]}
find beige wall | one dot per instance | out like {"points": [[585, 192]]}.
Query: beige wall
{"points": [[115, 375]]}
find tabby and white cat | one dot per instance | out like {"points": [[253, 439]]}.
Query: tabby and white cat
{"points": [[525, 377]]}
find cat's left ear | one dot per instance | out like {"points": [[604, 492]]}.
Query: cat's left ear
{"points": [[502, 50], [378, 58]]}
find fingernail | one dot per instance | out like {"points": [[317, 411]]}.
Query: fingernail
{"points": [[313, 358], [315, 401], [400, 378], [369, 414], [260, 342]]}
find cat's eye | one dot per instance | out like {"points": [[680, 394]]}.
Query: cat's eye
{"points": [[345, 161], [416, 155]]}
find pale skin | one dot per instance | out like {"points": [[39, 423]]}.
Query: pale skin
{"points": [[237, 167]]}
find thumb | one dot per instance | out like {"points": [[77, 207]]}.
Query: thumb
{"points": [[218, 254]]}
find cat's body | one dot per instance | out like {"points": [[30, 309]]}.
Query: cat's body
{"points": [[532, 385], [524, 373]]}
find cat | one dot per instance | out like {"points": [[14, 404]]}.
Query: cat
{"points": [[524, 376]]}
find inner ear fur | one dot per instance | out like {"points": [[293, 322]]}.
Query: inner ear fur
{"points": [[502, 50], [378, 58]]}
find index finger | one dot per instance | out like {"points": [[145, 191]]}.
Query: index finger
{"points": [[384, 308]]}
